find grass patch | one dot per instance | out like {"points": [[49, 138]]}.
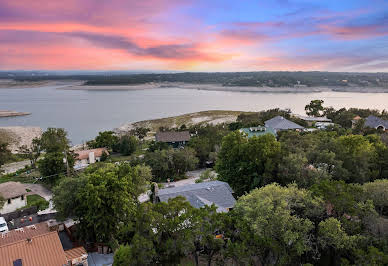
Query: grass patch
{"points": [[25, 175], [38, 201]]}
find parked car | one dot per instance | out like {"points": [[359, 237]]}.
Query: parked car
{"points": [[3, 225]]}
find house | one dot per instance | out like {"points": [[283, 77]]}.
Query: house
{"points": [[14, 195], [279, 123], [257, 131], [310, 120], [323, 125], [86, 157], [376, 122], [355, 120], [37, 245], [173, 138], [200, 194]]}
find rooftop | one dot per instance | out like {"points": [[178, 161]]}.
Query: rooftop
{"points": [[280, 123], [315, 119], [23, 233], [12, 189], [201, 194], [44, 249], [172, 136], [374, 121]]}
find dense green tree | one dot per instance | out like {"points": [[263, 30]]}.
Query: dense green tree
{"points": [[52, 166], [105, 139], [377, 191], [280, 219], [247, 163], [65, 196], [112, 190], [315, 108], [141, 132], [163, 233], [205, 241], [157, 145], [170, 163], [54, 140], [356, 153], [141, 251], [127, 145]]}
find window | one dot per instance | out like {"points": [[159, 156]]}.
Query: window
{"points": [[9, 201], [22, 197]]}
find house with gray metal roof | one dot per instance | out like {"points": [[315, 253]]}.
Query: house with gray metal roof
{"points": [[376, 122], [200, 194], [280, 123]]}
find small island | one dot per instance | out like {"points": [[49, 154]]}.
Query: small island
{"points": [[4, 113]]}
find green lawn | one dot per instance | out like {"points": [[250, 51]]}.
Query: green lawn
{"points": [[38, 201]]}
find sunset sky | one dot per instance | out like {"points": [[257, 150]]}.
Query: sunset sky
{"points": [[194, 35]]}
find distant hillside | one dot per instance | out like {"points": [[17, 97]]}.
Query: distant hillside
{"points": [[255, 79]]}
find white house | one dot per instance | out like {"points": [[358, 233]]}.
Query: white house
{"points": [[86, 157], [14, 194]]}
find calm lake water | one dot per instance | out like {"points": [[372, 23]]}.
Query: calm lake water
{"points": [[84, 113]]}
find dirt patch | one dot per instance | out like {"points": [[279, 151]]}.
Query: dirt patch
{"points": [[19, 136]]}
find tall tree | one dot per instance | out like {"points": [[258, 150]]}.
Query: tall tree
{"points": [[112, 190], [247, 163], [315, 108]]}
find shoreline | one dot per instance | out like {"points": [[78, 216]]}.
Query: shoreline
{"points": [[4, 113], [219, 87]]}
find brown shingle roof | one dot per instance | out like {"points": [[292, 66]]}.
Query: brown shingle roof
{"points": [[42, 250], [75, 253], [81, 155], [172, 136], [12, 189], [23, 233]]}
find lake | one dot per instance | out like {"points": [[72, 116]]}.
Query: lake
{"points": [[84, 113]]}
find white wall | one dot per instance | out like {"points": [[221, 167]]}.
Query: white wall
{"points": [[14, 205]]}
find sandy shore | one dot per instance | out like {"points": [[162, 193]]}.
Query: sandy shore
{"points": [[219, 87], [12, 113]]}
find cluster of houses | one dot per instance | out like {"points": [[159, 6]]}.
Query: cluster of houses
{"points": [[279, 123]]}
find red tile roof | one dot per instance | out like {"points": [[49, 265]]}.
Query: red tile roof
{"points": [[75, 253], [23, 233], [41, 250]]}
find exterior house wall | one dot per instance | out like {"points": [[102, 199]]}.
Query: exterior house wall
{"points": [[15, 204], [82, 162]]}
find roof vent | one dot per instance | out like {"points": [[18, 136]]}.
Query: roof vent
{"points": [[18, 262], [29, 240]]}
